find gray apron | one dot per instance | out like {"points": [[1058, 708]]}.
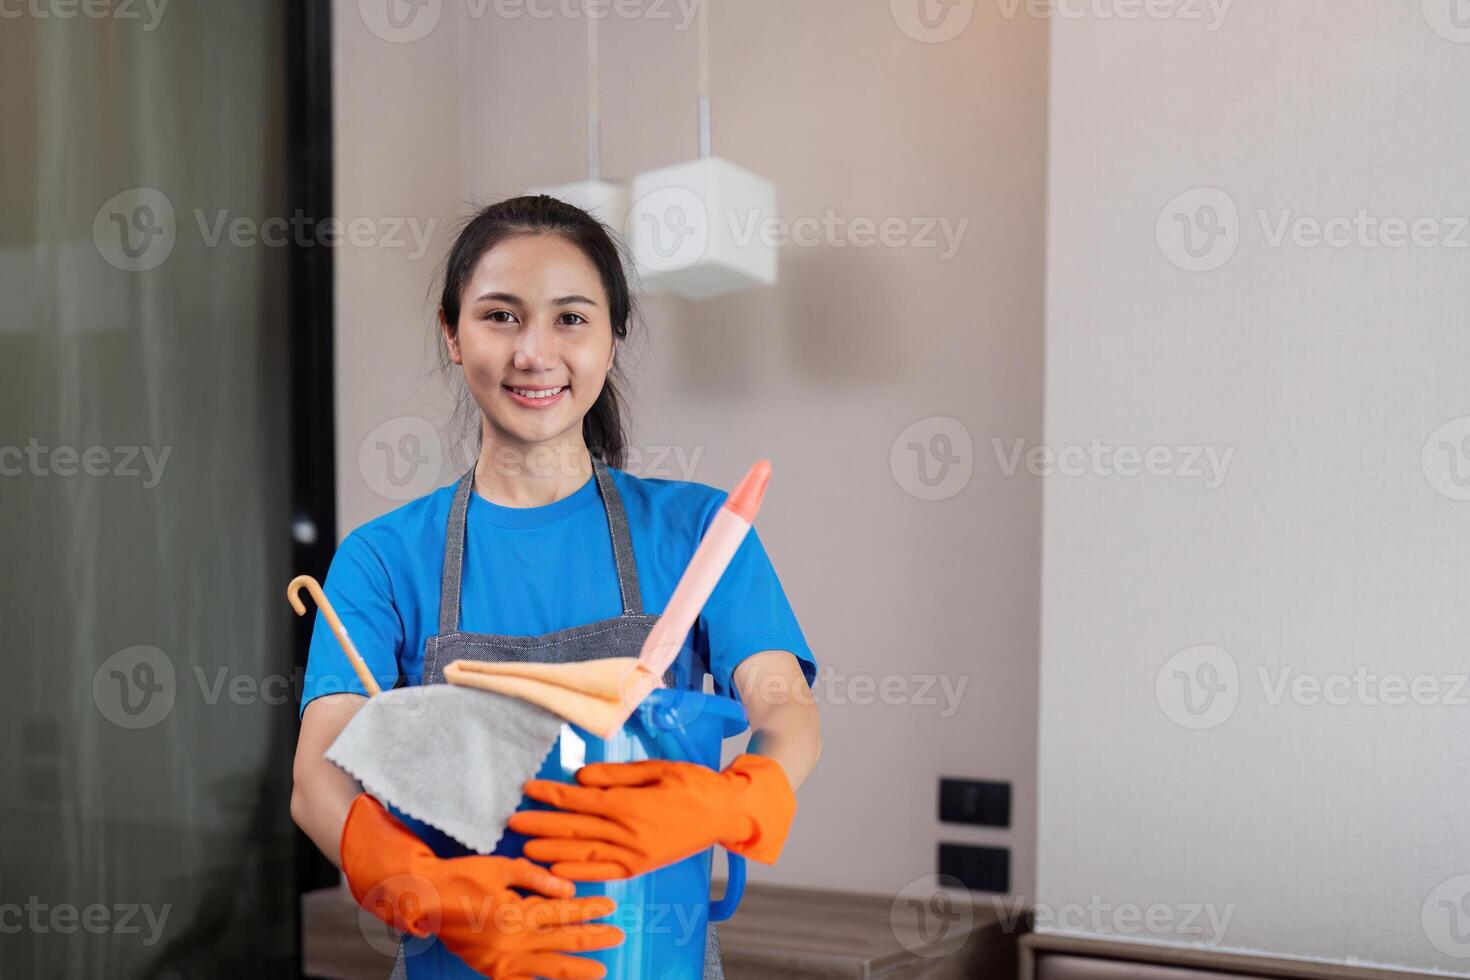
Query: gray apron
{"points": [[620, 636]]}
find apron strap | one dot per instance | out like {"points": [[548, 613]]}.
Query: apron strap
{"points": [[453, 574], [622, 540], [451, 579]]}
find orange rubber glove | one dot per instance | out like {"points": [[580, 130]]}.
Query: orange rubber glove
{"points": [[630, 817], [468, 902]]}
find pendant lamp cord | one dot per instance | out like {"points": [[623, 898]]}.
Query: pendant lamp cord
{"points": [[704, 115], [594, 108]]}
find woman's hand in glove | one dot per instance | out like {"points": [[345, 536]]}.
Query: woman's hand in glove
{"points": [[626, 818], [468, 902]]}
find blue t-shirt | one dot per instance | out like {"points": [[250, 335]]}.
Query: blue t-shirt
{"points": [[534, 570]]}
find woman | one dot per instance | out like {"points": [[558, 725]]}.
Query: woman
{"points": [[558, 545]]}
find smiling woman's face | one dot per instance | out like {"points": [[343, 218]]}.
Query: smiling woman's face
{"points": [[534, 339]]}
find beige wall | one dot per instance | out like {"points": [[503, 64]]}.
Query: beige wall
{"points": [[843, 110], [1176, 770]]}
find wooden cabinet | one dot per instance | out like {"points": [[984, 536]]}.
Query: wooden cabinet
{"points": [[778, 932]]}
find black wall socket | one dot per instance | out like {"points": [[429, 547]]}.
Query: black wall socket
{"points": [[980, 869], [974, 801]]}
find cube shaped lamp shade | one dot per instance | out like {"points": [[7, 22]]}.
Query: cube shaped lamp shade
{"points": [[698, 229], [605, 201]]}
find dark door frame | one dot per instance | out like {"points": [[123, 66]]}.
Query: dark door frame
{"points": [[312, 392]]}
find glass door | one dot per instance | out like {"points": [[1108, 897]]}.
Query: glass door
{"points": [[146, 490]]}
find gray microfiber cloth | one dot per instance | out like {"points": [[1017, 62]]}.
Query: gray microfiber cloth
{"points": [[453, 757]]}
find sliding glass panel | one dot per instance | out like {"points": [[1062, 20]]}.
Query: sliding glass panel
{"points": [[144, 492]]}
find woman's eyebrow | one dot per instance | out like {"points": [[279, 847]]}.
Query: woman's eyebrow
{"points": [[512, 298]]}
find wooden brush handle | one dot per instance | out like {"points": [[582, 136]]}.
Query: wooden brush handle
{"points": [[293, 595]]}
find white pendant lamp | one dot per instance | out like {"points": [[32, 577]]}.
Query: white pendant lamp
{"points": [[697, 229], [606, 201]]}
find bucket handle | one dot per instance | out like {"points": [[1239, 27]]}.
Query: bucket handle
{"points": [[724, 907], [667, 722]]}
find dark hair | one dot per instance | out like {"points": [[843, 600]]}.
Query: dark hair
{"points": [[602, 428]]}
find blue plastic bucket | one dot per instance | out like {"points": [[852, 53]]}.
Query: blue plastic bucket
{"points": [[665, 913]]}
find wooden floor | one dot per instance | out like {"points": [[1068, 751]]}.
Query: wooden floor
{"points": [[777, 932]]}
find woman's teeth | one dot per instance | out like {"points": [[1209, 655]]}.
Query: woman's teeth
{"points": [[548, 393]]}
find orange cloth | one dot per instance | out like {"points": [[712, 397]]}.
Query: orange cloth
{"points": [[627, 818], [468, 902], [597, 695]]}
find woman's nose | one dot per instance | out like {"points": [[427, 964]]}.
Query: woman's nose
{"points": [[535, 347]]}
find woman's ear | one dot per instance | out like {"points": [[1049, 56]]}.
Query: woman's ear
{"points": [[451, 338]]}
